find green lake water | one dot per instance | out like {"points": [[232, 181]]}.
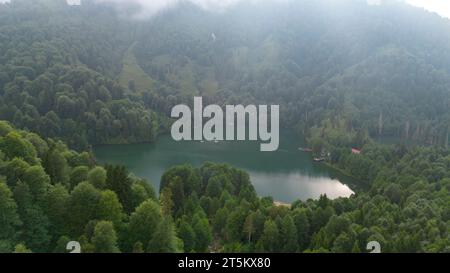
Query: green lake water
{"points": [[287, 174]]}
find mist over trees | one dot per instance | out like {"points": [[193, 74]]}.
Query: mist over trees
{"points": [[344, 74], [383, 70]]}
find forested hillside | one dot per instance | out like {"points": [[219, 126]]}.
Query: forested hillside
{"points": [[343, 72], [70, 71], [50, 195], [383, 70], [57, 74]]}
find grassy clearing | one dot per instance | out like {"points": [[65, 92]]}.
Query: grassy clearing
{"points": [[132, 71]]}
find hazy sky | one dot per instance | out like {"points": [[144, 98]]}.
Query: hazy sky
{"points": [[441, 7]]}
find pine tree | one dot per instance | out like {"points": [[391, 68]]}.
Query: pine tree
{"points": [[56, 205], [203, 233], [187, 234], [144, 222], [269, 238], [355, 248], [83, 206], [289, 235], [302, 223], [97, 177], [9, 218], [105, 238], [109, 208], [164, 239]]}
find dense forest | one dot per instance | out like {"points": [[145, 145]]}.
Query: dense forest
{"points": [[91, 76], [322, 72], [344, 73], [50, 195], [57, 76]]}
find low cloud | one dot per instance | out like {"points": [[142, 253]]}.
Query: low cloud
{"points": [[441, 7], [140, 9], [147, 8]]}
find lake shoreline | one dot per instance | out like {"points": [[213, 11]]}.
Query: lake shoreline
{"points": [[357, 186], [287, 175]]}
